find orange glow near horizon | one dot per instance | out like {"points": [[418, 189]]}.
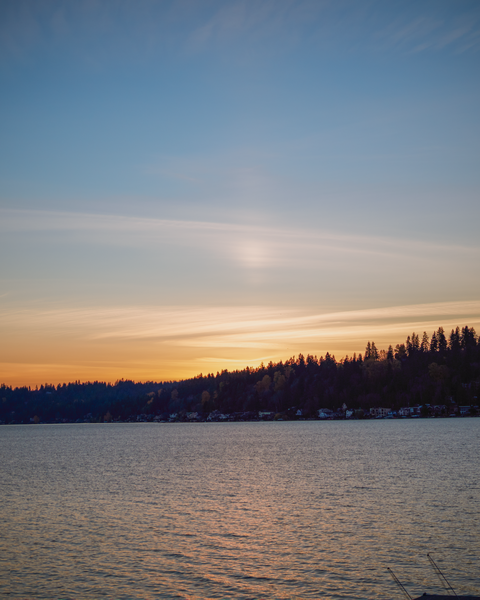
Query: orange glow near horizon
{"points": [[172, 343]]}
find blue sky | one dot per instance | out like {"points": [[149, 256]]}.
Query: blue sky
{"points": [[250, 158]]}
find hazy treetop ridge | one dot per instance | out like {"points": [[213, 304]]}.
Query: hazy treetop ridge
{"points": [[441, 371]]}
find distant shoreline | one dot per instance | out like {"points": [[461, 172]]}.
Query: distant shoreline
{"points": [[240, 420]]}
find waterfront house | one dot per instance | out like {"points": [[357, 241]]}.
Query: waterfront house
{"points": [[379, 412], [325, 413]]}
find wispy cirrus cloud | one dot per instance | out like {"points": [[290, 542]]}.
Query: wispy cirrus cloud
{"points": [[253, 246], [343, 25], [198, 324], [165, 342], [99, 32], [432, 28]]}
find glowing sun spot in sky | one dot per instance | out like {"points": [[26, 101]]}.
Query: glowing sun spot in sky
{"points": [[254, 254]]}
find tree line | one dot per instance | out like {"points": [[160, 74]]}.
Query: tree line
{"points": [[438, 370]]}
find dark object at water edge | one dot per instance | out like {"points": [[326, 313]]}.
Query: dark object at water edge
{"points": [[442, 597], [443, 580]]}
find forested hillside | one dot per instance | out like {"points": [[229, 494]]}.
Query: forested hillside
{"points": [[437, 371]]}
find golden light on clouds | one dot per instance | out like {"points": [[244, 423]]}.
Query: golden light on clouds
{"points": [[97, 296], [160, 343]]}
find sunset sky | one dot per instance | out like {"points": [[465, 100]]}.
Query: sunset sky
{"points": [[188, 186]]}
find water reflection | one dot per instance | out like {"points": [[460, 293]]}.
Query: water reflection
{"points": [[237, 510]]}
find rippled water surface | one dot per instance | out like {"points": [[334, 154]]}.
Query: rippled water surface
{"points": [[238, 510]]}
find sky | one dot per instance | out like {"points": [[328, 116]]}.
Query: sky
{"points": [[188, 186]]}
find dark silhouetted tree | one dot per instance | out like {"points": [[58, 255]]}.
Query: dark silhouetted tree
{"points": [[425, 346], [442, 340], [434, 343]]}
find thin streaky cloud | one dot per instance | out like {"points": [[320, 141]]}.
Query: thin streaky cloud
{"points": [[164, 343], [146, 30], [13, 220], [212, 359], [431, 31], [243, 323], [281, 340]]}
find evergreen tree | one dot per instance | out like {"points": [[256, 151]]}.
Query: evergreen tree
{"points": [[408, 346], [454, 342], [415, 342], [425, 345], [468, 337], [442, 340]]}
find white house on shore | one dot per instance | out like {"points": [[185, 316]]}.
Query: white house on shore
{"points": [[379, 413], [325, 413]]}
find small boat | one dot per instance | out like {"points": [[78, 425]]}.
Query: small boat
{"points": [[442, 597], [448, 588]]}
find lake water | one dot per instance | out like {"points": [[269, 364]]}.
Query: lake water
{"points": [[239, 510]]}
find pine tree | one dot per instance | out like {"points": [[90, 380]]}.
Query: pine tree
{"points": [[468, 338], [408, 346], [425, 345], [368, 351], [442, 340], [415, 342], [454, 342]]}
